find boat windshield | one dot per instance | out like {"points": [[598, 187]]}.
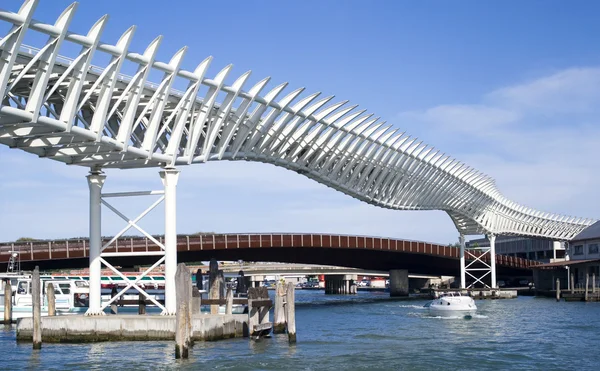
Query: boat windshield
{"points": [[451, 294]]}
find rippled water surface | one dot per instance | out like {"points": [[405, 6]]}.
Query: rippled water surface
{"points": [[366, 331]]}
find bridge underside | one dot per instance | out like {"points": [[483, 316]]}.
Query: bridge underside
{"points": [[356, 258]]}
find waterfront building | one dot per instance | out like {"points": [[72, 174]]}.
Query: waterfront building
{"points": [[582, 258], [584, 253], [539, 249]]}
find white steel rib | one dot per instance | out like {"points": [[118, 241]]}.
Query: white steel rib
{"points": [[69, 110]]}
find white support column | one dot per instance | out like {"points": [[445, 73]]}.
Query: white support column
{"points": [[463, 281], [169, 178], [492, 239], [95, 183]]}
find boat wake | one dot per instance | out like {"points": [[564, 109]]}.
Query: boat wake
{"points": [[412, 306], [457, 316]]}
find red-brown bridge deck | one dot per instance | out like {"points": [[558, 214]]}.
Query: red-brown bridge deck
{"points": [[292, 248]]}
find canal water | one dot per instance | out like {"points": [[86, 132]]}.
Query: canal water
{"points": [[368, 331]]}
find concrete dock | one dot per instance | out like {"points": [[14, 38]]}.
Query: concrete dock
{"points": [[77, 329]]}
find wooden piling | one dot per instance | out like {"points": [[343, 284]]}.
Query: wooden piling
{"points": [[113, 306], [214, 294], [141, 304], [279, 314], [196, 300], [213, 271], [51, 299], [252, 311], [587, 283], [183, 323], [290, 307], [259, 305], [229, 301], [213, 285], [36, 308], [7, 303], [222, 285], [572, 283], [558, 289], [593, 283]]}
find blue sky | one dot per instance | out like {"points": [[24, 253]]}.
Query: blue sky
{"points": [[509, 87]]}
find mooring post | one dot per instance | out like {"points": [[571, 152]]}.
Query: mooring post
{"points": [[279, 314], [291, 312], [572, 283], [263, 317], [183, 322], [113, 305], [214, 294], [213, 284], [7, 302], [222, 285], [196, 300], [558, 289], [141, 304], [213, 271], [229, 302], [587, 283], [594, 283], [51, 299], [252, 311], [36, 304]]}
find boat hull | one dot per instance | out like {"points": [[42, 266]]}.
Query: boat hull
{"points": [[452, 305]]}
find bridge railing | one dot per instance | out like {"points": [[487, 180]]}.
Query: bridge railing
{"points": [[78, 248]]}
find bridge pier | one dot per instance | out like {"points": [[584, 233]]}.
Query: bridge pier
{"points": [[492, 238], [95, 183], [398, 282], [340, 284], [463, 280], [169, 177], [98, 253]]}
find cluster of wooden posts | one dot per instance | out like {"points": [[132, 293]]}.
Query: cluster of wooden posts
{"points": [[586, 293], [189, 302], [258, 304]]}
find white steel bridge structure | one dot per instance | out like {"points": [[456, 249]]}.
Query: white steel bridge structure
{"points": [[69, 110]]}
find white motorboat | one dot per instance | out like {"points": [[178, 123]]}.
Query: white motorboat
{"points": [[70, 296], [452, 303]]}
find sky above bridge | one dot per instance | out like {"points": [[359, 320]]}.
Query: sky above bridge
{"points": [[510, 88]]}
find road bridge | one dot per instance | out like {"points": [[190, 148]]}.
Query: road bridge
{"points": [[361, 252]]}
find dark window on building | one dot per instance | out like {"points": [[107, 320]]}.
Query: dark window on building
{"points": [[578, 250], [593, 248]]}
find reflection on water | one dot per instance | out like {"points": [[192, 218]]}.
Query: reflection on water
{"points": [[366, 331]]}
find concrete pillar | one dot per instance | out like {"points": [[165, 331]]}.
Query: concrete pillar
{"points": [[335, 284], [95, 183], [398, 282], [169, 177], [463, 281], [492, 239]]}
